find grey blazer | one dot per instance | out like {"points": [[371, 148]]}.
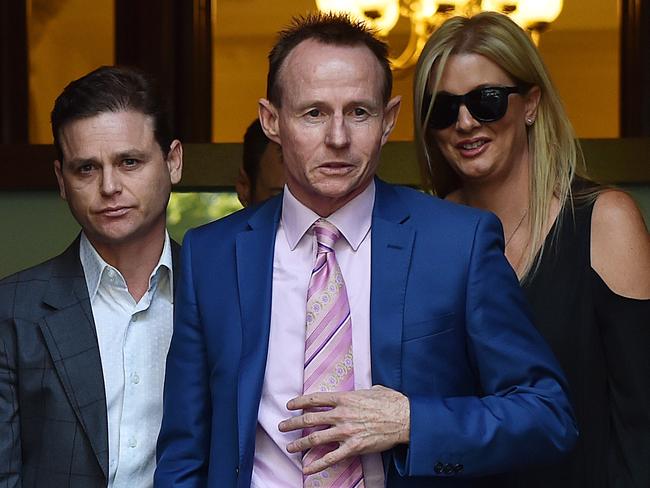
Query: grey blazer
{"points": [[53, 426]]}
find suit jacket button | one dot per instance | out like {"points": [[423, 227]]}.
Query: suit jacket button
{"points": [[237, 470], [448, 469], [458, 468], [438, 468]]}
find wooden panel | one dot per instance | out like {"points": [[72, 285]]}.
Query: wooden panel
{"points": [[13, 72], [618, 161], [214, 167], [28, 167], [172, 41], [635, 68]]}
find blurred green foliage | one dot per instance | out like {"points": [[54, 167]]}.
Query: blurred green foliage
{"points": [[188, 210]]}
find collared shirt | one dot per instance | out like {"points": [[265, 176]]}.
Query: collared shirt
{"points": [[133, 343], [293, 259]]}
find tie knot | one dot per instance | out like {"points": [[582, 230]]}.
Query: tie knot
{"points": [[326, 235]]}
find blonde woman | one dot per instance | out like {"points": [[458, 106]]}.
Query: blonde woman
{"points": [[492, 133]]}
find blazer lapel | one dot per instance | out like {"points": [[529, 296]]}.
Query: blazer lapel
{"points": [[254, 249], [70, 336], [392, 246]]}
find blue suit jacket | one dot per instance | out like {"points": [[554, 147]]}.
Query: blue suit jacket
{"points": [[449, 328]]}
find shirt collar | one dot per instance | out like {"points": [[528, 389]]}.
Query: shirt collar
{"points": [[165, 264], [353, 220], [94, 266]]}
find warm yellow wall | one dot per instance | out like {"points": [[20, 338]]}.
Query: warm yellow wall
{"points": [[67, 38], [239, 80], [585, 66]]}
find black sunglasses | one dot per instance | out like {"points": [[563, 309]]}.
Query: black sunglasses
{"points": [[487, 104]]}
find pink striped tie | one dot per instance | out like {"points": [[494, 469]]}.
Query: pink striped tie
{"points": [[328, 352]]}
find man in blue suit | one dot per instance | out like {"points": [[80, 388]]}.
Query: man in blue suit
{"points": [[348, 332]]}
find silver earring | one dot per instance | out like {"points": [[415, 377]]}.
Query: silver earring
{"points": [[530, 121]]}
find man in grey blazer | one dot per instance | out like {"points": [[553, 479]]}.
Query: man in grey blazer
{"points": [[84, 336]]}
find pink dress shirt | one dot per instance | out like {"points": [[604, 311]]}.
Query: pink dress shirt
{"points": [[295, 252]]}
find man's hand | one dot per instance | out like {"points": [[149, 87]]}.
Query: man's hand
{"points": [[361, 422]]}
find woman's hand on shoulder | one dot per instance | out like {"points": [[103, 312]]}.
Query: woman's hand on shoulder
{"points": [[620, 245]]}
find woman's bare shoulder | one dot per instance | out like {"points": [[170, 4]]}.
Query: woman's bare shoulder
{"points": [[620, 245]]}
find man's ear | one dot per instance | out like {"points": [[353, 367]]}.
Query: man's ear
{"points": [[243, 187], [175, 161], [58, 171], [268, 115], [390, 117]]}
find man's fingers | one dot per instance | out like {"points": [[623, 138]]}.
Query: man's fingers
{"points": [[316, 438], [326, 461], [307, 419], [323, 399]]}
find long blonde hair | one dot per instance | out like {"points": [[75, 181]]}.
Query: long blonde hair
{"points": [[554, 151]]}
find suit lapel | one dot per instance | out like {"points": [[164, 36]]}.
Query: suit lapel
{"points": [[392, 246], [255, 248], [70, 336]]}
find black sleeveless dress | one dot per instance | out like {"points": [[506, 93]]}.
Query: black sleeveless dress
{"points": [[602, 341]]}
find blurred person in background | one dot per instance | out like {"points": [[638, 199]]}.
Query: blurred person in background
{"points": [[261, 174]]}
